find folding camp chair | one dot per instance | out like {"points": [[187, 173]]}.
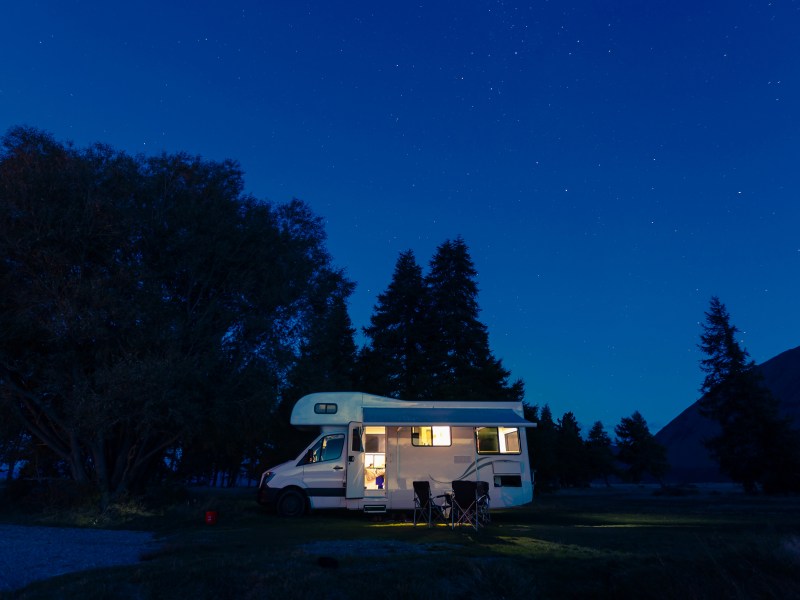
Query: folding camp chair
{"points": [[465, 504], [426, 509]]}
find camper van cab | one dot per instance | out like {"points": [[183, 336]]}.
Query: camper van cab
{"points": [[371, 449]]}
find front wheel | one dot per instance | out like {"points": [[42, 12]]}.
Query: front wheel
{"points": [[291, 503]]}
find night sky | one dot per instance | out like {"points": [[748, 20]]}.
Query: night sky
{"points": [[610, 165]]}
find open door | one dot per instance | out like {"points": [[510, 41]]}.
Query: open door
{"points": [[355, 462]]}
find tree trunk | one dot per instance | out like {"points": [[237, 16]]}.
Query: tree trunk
{"points": [[77, 461], [101, 472]]}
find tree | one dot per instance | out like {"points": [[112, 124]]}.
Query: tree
{"points": [[638, 449], [327, 358], [725, 358], [463, 365], [600, 457], [531, 413], [326, 363], [756, 446], [571, 453], [544, 457], [14, 443], [148, 304], [425, 338], [395, 363]]}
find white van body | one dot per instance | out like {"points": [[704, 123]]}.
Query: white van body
{"points": [[370, 450]]}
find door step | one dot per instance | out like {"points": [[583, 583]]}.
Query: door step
{"points": [[374, 509]]}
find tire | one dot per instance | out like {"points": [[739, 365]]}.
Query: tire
{"points": [[291, 503]]}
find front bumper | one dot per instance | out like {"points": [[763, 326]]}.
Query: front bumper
{"points": [[267, 496]]}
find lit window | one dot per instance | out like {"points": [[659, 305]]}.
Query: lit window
{"points": [[430, 436], [497, 440]]}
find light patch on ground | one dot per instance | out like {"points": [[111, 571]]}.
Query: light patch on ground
{"points": [[371, 548]]}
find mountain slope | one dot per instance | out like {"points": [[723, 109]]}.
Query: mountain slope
{"points": [[684, 435]]}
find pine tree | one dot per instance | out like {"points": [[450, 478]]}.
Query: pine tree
{"points": [[326, 363], [756, 446], [425, 338], [328, 352], [725, 358], [544, 455], [463, 364], [531, 413], [639, 449], [600, 457], [395, 361], [571, 452]]}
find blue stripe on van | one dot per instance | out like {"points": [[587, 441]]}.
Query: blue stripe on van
{"points": [[326, 492]]}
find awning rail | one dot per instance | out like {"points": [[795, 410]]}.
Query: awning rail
{"points": [[463, 417]]}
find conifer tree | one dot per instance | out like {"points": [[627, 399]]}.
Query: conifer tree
{"points": [[544, 457], [639, 449], [530, 412], [571, 452], [395, 362], [326, 363], [463, 364], [600, 457], [756, 446], [327, 358], [725, 358]]}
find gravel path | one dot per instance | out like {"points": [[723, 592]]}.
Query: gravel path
{"points": [[28, 554]]}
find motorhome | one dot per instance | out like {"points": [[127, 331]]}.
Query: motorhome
{"points": [[371, 449]]}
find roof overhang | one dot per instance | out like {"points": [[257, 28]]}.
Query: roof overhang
{"points": [[464, 417]]}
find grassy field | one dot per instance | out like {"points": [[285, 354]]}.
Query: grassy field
{"points": [[618, 543]]}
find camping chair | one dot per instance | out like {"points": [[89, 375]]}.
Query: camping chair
{"points": [[425, 507], [465, 504], [482, 502]]}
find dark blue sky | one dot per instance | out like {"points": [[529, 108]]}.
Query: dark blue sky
{"points": [[611, 166]]}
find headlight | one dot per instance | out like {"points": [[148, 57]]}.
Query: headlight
{"points": [[266, 477]]}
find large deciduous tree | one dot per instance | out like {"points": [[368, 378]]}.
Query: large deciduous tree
{"points": [[147, 303], [756, 446]]}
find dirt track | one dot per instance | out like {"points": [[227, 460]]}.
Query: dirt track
{"points": [[29, 554]]}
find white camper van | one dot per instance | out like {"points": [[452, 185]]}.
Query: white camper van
{"points": [[370, 450]]}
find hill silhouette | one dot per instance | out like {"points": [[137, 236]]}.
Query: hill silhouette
{"points": [[684, 435]]}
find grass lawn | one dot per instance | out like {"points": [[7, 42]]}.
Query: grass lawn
{"points": [[599, 543]]}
